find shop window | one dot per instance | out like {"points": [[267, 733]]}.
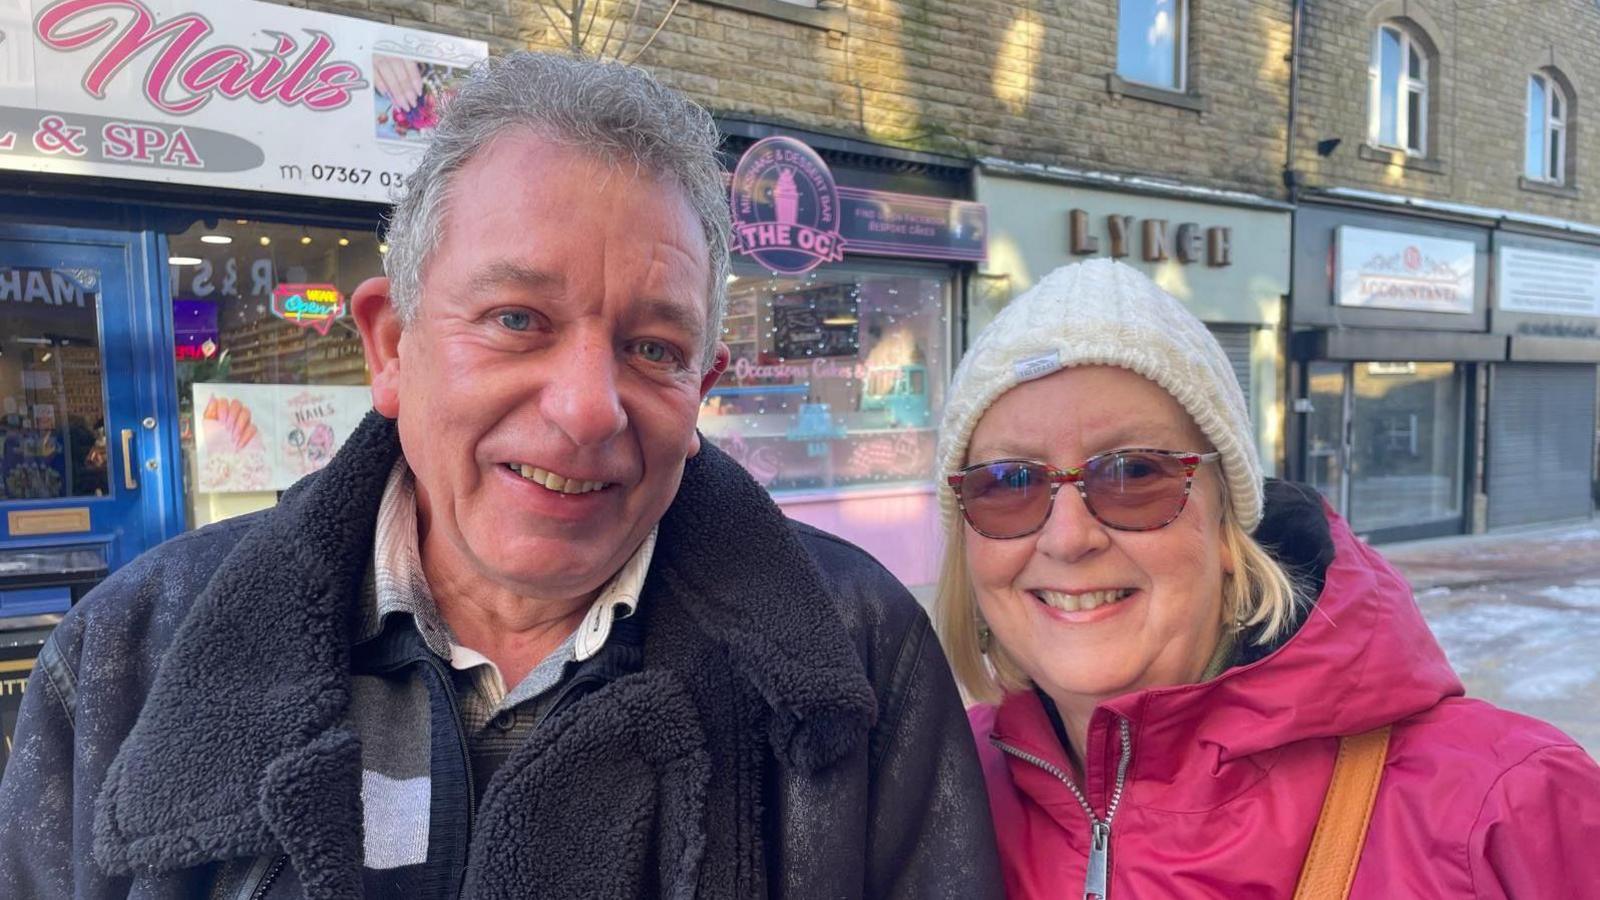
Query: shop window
{"points": [[836, 378], [1545, 147], [1398, 77], [1152, 42], [1406, 443], [53, 423], [271, 376]]}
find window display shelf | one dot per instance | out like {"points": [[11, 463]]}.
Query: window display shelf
{"points": [[271, 350]]}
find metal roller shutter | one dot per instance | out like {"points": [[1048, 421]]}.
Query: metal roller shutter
{"points": [[1541, 443], [1235, 341]]}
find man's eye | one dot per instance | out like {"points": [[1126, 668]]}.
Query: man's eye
{"points": [[654, 351], [516, 320]]}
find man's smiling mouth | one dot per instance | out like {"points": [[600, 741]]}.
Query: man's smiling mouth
{"points": [[551, 481]]}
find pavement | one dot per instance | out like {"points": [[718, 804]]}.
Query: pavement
{"points": [[1518, 614]]}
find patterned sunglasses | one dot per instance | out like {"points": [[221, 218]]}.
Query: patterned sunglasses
{"points": [[1129, 490]]}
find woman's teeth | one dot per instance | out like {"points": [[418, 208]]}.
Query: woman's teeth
{"points": [[1081, 602], [551, 481]]}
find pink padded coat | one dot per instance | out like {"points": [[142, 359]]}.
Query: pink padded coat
{"points": [[1225, 779]]}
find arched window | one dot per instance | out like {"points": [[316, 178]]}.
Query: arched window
{"points": [[1398, 75], [1549, 110]]}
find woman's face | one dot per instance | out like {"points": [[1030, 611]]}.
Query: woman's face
{"points": [[1034, 591]]}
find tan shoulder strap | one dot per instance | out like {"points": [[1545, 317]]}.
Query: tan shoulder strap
{"points": [[1330, 865]]}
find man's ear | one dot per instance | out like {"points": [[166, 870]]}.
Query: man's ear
{"points": [[719, 364], [381, 330]]}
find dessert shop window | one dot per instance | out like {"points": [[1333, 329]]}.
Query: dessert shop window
{"points": [[271, 377], [836, 377]]}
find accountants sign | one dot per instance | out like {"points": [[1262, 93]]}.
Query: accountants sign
{"points": [[1392, 270], [220, 93]]}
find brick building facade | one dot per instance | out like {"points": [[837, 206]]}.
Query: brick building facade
{"points": [[1480, 57], [1020, 81], [1028, 109], [1443, 333]]}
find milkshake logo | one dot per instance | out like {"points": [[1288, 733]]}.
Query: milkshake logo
{"points": [[181, 74], [786, 207]]}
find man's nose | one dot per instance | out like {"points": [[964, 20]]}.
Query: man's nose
{"points": [[1071, 532], [580, 396]]}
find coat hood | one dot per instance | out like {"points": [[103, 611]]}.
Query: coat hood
{"points": [[1362, 657]]}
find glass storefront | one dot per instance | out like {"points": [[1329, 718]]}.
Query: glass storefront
{"points": [[53, 419], [836, 377], [1384, 440], [1407, 443], [270, 370]]}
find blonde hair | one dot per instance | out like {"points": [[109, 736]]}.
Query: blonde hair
{"points": [[1259, 596]]}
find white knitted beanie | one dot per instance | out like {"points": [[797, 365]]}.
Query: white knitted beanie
{"points": [[1102, 312]]}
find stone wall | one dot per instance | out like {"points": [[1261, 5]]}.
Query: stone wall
{"points": [[1026, 81], [1485, 53]]}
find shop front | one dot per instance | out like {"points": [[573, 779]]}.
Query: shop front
{"points": [[849, 260], [1224, 254], [1390, 341], [1541, 434], [189, 193]]}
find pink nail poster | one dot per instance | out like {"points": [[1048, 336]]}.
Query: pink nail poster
{"points": [[265, 437]]}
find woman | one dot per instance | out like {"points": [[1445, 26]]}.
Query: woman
{"points": [[1165, 699]]}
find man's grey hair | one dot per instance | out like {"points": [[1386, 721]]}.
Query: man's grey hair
{"points": [[618, 113]]}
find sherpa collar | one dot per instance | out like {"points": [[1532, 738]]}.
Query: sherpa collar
{"points": [[243, 744]]}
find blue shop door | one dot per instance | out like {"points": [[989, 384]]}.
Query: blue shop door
{"points": [[87, 453]]}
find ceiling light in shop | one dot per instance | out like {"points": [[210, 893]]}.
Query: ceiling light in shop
{"points": [[215, 239], [305, 238], [242, 221], [344, 241], [265, 240], [383, 248], [840, 320], [183, 260]]}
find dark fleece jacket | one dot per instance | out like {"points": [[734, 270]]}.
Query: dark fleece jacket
{"points": [[793, 730]]}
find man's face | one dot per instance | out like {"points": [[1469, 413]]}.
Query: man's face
{"points": [[548, 390]]}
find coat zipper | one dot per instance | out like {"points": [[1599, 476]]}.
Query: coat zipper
{"points": [[1094, 879], [268, 877]]}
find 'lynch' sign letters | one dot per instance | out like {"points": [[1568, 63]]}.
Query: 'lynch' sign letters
{"points": [[1158, 241]]}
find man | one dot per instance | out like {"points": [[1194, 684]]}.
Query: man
{"points": [[526, 635]]}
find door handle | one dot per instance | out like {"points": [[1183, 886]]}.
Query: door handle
{"points": [[128, 480]]}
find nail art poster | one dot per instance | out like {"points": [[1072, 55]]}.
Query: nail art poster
{"points": [[265, 437], [233, 424]]}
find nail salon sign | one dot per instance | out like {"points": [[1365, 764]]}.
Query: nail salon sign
{"points": [[222, 93]]}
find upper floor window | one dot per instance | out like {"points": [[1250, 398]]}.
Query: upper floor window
{"points": [[1152, 42], [1397, 114], [1545, 150]]}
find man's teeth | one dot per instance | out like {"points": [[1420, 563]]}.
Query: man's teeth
{"points": [[558, 483], [1081, 602]]}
